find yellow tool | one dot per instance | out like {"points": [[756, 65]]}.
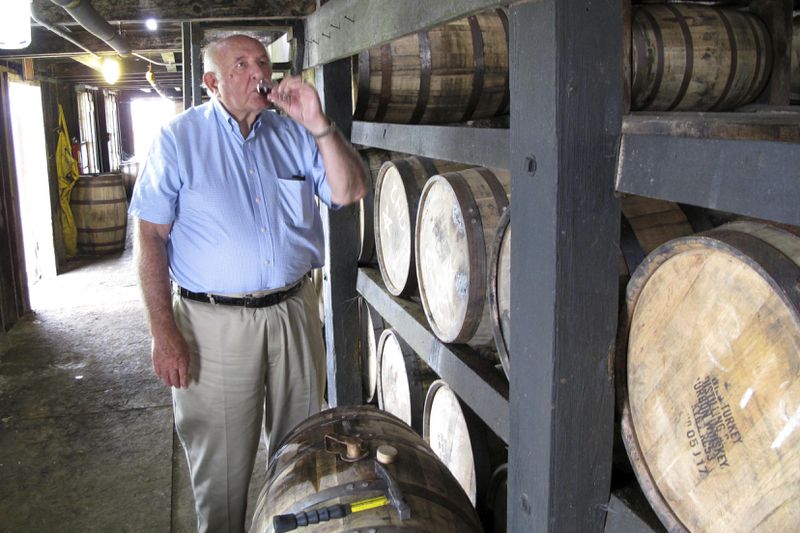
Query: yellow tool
{"points": [[288, 522]]}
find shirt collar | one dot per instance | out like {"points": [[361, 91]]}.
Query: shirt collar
{"points": [[223, 116]]}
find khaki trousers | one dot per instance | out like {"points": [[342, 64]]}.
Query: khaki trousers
{"points": [[248, 366]]}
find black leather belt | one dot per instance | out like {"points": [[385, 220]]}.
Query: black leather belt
{"points": [[241, 301]]}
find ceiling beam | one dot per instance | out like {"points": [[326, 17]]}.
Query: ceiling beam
{"points": [[44, 43], [181, 10]]}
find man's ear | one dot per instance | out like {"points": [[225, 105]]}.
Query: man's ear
{"points": [[210, 81]]}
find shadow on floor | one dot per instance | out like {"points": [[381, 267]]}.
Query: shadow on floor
{"points": [[86, 429]]}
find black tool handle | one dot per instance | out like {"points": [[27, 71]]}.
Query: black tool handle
{"points": [[288, 522]]}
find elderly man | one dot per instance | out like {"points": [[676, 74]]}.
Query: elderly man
{"points": [[227, 231]]}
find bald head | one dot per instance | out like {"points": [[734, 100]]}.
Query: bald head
{"points": [[212, 51]]}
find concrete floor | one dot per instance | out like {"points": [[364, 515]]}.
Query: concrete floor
{"points": [[87, 441]]}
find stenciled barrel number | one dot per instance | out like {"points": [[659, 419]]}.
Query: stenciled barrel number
{"points": [[711, 427]]}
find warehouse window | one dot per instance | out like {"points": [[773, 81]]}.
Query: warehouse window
{"points": [[112, 127], [88, 132]]}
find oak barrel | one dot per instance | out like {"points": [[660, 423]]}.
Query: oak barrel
{"points": [[451, 73], [497, 499], [372, 325], [373, 159], [711, 399], [310, 470], [397, 192], [456, 222], [403, 379], [130, 171], [452, 431], [646, 223], [100, 209], [687, 57], [499, 289]]}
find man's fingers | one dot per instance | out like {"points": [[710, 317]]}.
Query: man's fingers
{"points": [[183, 377], [174, 379]]}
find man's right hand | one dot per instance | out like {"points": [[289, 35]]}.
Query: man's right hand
{"points": [[171, 358]]}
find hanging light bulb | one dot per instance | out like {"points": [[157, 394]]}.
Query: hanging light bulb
{"points": [[111, 70], [15, 24]]}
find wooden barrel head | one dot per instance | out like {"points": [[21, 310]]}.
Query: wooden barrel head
{"points": [[712, 410], [446, 430], [373, 160], [456, 222], [397, 191], [307, 472], [372, 326], [500, 290], [403, 380], [393, 228]]}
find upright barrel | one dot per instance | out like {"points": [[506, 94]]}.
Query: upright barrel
{"points": [[687, 57], [100, 209], [456, 222], [312, 469], [711, 398], [451, 73], [397, 193]]}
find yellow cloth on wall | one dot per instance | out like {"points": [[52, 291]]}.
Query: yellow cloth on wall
{"points": [[67, 169]]}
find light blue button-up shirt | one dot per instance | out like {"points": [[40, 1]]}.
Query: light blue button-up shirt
{"points": [[243, 211]]}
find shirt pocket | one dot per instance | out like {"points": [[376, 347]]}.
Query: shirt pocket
{"points": [[297, 201]]}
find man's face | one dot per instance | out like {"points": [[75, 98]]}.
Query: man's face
{"points": [[241, 62]]}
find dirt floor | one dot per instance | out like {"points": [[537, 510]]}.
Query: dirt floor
{"points": [[87, 441]]}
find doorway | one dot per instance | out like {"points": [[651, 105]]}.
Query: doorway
{"points": [[33, 184]]}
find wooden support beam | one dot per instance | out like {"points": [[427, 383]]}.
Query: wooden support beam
{"points": [[342, 328], [176, 11], [566, 72]]}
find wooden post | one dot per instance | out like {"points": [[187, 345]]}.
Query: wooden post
{"points": [[566, 113], [342, 331]]}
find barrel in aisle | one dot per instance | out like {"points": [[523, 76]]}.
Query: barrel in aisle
{"points": [[451, 73], [130, 172], [397, 193], [403, 380], [711, 398], [100, 209], [690, 57], [330, 459], [456, 225]]}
